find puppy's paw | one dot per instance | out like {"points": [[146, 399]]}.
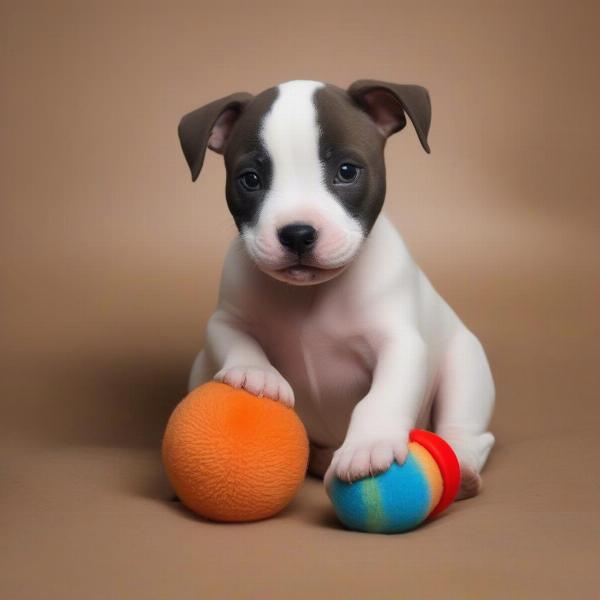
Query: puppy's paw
{"points": [[367, 457], [258, 381]]}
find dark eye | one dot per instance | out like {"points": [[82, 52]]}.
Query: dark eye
{"points": [[250, 180], [347, 173]]}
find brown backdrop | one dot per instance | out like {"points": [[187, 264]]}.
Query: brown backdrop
{"points": [[110, 260]]}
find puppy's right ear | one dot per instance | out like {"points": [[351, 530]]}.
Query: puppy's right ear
{"points": [[386, 104], [209, 126]]}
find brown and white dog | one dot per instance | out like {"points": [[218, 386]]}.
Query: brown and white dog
{"points": [[321, 304]]}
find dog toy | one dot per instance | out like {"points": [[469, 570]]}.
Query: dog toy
{"points": [[233, 456], [405, 495]]}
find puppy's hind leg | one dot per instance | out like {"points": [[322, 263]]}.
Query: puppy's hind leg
{"points": [[463, 408]]}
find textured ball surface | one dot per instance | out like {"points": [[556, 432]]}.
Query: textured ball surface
{"points": [[405, 495], [233, 456]]}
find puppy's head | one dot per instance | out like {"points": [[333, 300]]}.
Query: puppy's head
{"points": [[305, 167]]}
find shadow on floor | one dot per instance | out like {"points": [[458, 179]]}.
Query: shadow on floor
{"points": [[123, 403]]}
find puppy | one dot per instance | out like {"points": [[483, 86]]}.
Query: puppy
{"points": [[321, 306]]}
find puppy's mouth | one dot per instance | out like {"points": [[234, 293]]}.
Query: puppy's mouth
{"points": [[303, 274], [310, 267]]}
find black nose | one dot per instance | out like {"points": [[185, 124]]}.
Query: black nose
{"points": [[298, 237]]}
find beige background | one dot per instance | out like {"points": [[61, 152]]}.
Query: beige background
{"points": [[110, 260]]}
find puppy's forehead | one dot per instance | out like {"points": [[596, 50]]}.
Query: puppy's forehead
{"points": [[298, 114], [279, 115], [290, 134], [319, 111], [293, 112]]}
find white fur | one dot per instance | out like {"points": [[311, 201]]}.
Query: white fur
{"points": [[366, 355]]}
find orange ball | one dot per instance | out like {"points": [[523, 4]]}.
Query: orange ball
{"points": [[233, 456]]}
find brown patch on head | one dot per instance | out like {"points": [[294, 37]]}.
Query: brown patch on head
{"points": [[245, 137], [245, 152], [349, 136]]}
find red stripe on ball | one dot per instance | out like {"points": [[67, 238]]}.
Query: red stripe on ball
{"points": [[447, 462]]}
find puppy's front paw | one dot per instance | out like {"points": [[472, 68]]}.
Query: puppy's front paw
{"points": [[258, 381], [367, 457]]}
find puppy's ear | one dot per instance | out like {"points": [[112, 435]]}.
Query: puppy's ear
{"points": [[386, 104], [211, 126]]}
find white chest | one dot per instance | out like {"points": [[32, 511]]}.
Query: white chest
{"points": [[318, 345]]}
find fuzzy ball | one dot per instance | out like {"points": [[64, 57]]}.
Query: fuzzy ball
{"points": [[233, 456], [405, 495]]}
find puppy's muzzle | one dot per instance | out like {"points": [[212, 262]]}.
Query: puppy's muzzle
{"points": [[298, 238]]}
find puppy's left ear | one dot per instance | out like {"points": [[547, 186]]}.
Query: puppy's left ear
{"points": [[386, 104], [209, 127]]}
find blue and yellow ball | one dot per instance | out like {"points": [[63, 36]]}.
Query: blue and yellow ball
{"points": [[405, 495]]}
